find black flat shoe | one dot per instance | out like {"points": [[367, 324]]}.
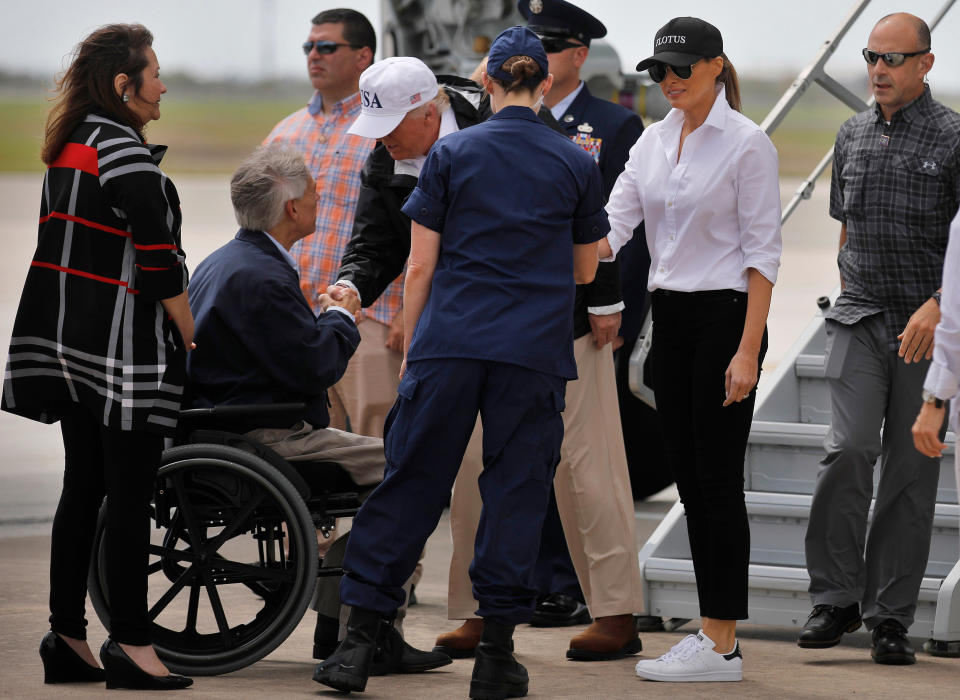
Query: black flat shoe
{"points": [[61, 664], [827, 624], [122, 672], [891, 646], [559, 610]]}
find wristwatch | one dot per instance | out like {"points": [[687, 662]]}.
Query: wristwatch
{"points": [[936, 297], [930, 397]]}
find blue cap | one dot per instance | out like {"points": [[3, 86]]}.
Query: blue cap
{"points": [[559, 18], [515, 41]]}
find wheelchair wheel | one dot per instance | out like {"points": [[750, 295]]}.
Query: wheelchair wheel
{"points": [[233, 560]]}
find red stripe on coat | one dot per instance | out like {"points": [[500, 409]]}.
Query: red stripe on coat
{"points": [[84, 222], [81, 273], [78, 157]]}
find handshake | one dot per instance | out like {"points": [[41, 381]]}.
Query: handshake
{"points": [[344, 297]]}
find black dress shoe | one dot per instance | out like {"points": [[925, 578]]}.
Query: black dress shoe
{"points": [[122, 672], [61, 664], [891, 646], [559, 610], [348, 668], [827, 624], [496, 673], [648, 623], [394, 655]]}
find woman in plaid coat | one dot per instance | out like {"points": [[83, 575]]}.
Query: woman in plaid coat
{"points": [[100, 344]]}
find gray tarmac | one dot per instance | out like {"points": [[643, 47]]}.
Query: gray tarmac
{"points": [[31, 459]]}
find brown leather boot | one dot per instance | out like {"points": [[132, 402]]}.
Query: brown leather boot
{"points": [[613, 637], [462, 642]]}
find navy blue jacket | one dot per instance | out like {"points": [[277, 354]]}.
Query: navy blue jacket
{"points": [[613, 129], [258, 340]]}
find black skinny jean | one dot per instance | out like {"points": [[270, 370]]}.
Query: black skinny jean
{"points": [[695, 335], [122, 465]]}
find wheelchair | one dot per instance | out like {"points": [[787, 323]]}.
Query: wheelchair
{"points": [[233, 553]]}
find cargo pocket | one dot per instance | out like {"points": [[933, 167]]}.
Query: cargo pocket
{"points": [[394, 441]]}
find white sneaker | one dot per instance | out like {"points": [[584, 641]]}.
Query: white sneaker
{"points": [[694, 659]]}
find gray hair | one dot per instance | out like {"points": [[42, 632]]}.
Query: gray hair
{"points": [[264, 183]]}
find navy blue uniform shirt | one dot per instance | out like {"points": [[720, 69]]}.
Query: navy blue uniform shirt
{"points": [[510, 197]]}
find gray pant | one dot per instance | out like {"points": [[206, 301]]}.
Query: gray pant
{"points": [[870, 387]]}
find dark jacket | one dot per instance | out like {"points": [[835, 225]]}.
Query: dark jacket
{"points": [[258, 340], [608, 131], [380, 243]]}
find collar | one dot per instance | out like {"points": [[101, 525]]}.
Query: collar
{"points": [[563, 105], [260, 238], [517, 112], [909, 111], [413, 166], [315, 105], [717, 118]]}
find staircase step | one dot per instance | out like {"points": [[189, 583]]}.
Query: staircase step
{"points": [[778, 594], [785, 457]]}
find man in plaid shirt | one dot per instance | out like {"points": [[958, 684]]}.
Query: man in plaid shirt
{"points": [[341, 45], [895, 190]]}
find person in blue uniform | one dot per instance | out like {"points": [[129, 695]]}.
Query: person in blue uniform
{"points": [[505, 219]]}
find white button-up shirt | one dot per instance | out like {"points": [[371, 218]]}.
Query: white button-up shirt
{"points": [[710, 214], [942, 377]]}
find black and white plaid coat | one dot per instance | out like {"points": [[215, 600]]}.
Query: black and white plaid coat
{"points": [[90, 328]]}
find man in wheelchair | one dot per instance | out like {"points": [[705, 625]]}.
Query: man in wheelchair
{"points": [[259, 342]]}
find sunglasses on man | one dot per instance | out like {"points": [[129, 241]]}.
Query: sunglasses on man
{"points": [[658, 71], [324, 47], [891, 58], [552, 44]]}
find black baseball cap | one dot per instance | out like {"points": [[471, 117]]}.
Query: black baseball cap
{"points": [[683, 41]]}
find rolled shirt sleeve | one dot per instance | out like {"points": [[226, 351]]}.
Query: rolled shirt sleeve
{"points": [[625, 206], [758, 206], [590, 219], [427, 204]]}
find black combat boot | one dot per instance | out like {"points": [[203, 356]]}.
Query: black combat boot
{"points": [[349, 666], [496, 674], [394, 655]]}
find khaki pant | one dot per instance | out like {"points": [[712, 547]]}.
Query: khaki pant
{"points": [[367, 390], [592, 486]]}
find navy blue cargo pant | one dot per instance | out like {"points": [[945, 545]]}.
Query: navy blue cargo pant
{"points": [[425, 436]]}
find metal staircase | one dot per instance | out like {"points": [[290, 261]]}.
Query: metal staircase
{"points": [[785, 446]]}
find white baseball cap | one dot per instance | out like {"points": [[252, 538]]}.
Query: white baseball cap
{"points": [[388, 90]]}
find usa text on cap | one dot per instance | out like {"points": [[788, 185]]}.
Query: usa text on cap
{"points": [[388, 90]]}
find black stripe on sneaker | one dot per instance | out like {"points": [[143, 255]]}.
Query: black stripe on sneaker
{"points": [[735, 653]]}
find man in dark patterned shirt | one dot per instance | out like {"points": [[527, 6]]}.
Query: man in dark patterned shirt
{"points": [[895, 189]]}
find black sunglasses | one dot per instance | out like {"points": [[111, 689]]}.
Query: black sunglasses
{"points": [[658, 71], [324, 47], [891, 58], [556, 45]]}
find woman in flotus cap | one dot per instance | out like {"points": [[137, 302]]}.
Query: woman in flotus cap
{"points": [[705, 182], [505, 221]]}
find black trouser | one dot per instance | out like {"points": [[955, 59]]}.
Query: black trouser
{"points": [[695, 335], [122, 465]]}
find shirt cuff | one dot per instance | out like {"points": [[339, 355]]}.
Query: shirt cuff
{"points": [[425, 210], [941, 382], [349, 285], [343, 311], [766, 267], [606, 310], [587, 229]]}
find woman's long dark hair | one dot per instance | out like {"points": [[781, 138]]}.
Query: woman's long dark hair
{"points": [[728, 76], [87, 85]]}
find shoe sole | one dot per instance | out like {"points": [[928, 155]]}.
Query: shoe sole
{"points": [[485, 690], [821, 644], [894, 659], [420, 668], [454, 653], [630, 649], [341, 681], [712, 676]]}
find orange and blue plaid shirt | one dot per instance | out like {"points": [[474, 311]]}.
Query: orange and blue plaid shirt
{"points": [[335, 158]]}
